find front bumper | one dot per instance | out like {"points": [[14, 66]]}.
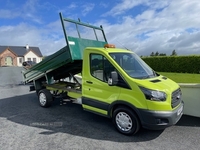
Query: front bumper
{"points": [[157, 120]]}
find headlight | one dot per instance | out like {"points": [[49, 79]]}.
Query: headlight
{"points": [[154, 95]]}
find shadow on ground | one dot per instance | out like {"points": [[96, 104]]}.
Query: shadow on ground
{"points": [[189, 121], [72, 119]]}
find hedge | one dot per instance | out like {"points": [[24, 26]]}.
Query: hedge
{"points": [[178, 64]]}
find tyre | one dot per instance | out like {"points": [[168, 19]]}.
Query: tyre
{"points": [[126, 121], [24, 64], [45, 98]]}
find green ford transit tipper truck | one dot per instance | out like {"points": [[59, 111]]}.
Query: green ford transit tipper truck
{"points": [[115, 83]]}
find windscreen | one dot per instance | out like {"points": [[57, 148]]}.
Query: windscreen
{"points": [[133, 65]]}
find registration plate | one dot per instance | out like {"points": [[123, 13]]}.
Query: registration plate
{"points": [[180, 111]]}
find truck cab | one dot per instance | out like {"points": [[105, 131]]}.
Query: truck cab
{"points": [[118, 84]]}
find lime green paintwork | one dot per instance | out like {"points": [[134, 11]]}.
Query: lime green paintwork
{"points": [[62, 87], [74, 94], [102, 92]]}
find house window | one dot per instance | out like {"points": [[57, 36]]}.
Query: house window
{"points": [[29, 59], [20, 60], [34, 60]]}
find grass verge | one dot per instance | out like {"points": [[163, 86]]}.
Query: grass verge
{"points": [[182, 77]]}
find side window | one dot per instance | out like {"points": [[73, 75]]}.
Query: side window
{"points": [[96, 66], [100, 67]]}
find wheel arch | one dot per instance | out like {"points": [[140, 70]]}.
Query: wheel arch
{"points": [[118, 103]]}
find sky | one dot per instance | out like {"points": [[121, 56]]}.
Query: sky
{"points": [[143, 26]]}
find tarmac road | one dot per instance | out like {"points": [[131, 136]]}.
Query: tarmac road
{"points": [[26, 125]]}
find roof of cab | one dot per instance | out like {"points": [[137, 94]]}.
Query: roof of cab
{"points": [[109, 50]]}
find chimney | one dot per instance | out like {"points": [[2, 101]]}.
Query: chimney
{"points": [[27, 47]]}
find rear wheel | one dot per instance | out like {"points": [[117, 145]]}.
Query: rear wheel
{"points": [[125, 121], [45, 98]]}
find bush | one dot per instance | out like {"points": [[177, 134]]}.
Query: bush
{"points": [[179, 64]]}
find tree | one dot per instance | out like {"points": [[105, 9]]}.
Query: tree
{"points": [[174, 53], [152, 54], [157, 54], [162, 54]]}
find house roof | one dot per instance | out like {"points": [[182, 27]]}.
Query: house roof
{"points": [[21, 50]]}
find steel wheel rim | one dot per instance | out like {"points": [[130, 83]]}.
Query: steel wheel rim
{"points": [[124, 121], [42, 99]]}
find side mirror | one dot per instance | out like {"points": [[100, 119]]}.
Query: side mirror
{"points": [[113, 79]]}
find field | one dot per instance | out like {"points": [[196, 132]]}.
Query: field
{"points": [[182, 77]]}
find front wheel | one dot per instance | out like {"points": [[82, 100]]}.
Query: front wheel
{"points": [[125, 121], [45, 98]]}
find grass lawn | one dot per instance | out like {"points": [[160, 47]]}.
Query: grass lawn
{"points": [[182, 77]]}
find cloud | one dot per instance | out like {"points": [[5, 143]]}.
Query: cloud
{"points": [[30, 6], [155, 27], [47, 6], [72, 6], [159, 26], [146, 15], [32, 18], [27, 11], [22, 34], [122, 7], [185, 39], [87, 8], [126, 5], [4, 13], [103, 4]]}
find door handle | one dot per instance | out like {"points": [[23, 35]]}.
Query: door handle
{"points": [[90, 82]]}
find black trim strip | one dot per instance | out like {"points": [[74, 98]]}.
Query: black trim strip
{"points": [[155, 81], [97, 113], [122, 103], [165, 78], [95, 103]]}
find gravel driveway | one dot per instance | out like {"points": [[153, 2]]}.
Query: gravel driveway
{"points": [[26, 125]]}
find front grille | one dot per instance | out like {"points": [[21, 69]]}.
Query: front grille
{"points": [[176, 98]]}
